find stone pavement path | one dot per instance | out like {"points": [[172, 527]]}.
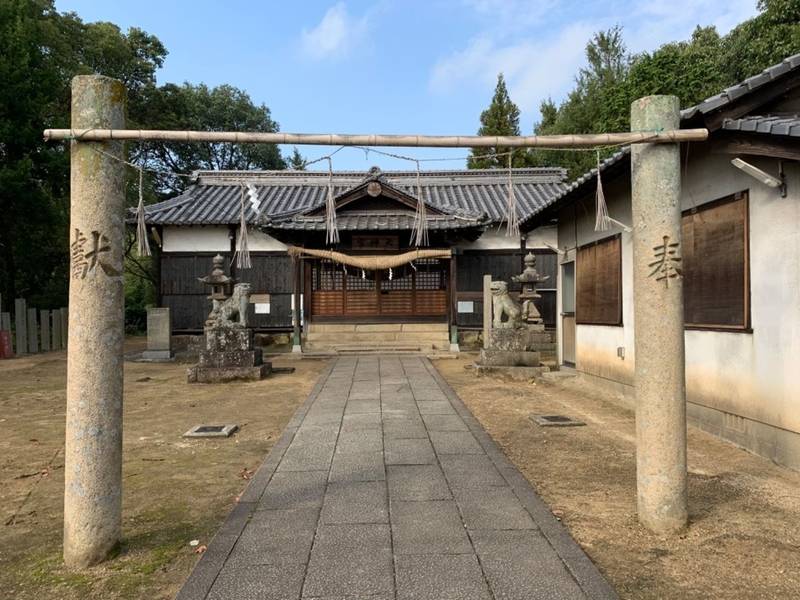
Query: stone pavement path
{"points": [[385, 486]]}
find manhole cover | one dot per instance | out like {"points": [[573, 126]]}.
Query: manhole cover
{"points": [[211, 431], [555, 421]]}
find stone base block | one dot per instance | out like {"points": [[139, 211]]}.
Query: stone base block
{"points": [[158, 355], [198, 374], [521, 339], [504, 358], [517, 373], [226, 339], [232, 358]]}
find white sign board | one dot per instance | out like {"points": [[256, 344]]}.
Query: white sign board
{"points": [[466, 306], [262, 308]]}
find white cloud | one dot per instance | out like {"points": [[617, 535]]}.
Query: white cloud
{"points": [[335, 35], [540, 54], [507, 15], [534, 68], [655, 22]]}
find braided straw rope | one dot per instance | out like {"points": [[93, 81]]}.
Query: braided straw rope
{"points": [[370, 263]]}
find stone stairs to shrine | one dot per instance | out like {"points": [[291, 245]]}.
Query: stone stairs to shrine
{"points": [[350, 338]]}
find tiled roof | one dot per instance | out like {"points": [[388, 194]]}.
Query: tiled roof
{"points": [[376, 221], [772, 125], [750, 84], [765, 124], [215, 197]]}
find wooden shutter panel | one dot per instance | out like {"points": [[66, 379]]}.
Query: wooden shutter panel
{"points": [[716, 290], [599, 283]]}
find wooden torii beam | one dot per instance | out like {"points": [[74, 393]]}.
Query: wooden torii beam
{"points": [[428, 141]]}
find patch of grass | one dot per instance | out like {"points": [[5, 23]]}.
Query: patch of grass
{"points": [[48, 571], [150, 551]]}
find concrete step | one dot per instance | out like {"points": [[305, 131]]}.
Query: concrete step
{"points": [[342, 346], [378, 328], [376, 348], [400, 336]]}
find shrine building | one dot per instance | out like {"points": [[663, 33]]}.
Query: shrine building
{"points": [[738, 261], [421, 303]]}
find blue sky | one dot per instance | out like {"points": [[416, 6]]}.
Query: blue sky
{"points": [[411, 66]]}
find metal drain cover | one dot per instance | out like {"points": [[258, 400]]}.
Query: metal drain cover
{"points": [[199, 431], [555, 421]]}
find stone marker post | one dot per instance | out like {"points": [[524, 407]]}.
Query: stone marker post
{"points": [[487, 310], [33, 331], [159, 335], [93, 453], [56, 332], [63, 315], [20, 327], [297, 343], [658, 320], [44, 320]]}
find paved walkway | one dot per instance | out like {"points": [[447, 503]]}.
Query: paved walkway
{"points": [[385, 486]]}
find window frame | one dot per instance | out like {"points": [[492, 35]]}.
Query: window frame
{"points": [[619, 320], [746, 327]]}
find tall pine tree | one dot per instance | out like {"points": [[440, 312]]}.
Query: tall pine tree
{"points": [[296, 161], [501, 118]]}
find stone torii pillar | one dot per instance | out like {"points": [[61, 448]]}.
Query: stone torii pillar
{"points": [[658, 320], [93, 451]]}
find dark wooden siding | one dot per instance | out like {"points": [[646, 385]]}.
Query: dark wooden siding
{"points": [[598, 294], [503, 264], [716, 274], [188, 298], [272, 274]]}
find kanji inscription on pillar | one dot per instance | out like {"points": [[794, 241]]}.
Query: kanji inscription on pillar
{"points": [[667, 263], [88, 253]]}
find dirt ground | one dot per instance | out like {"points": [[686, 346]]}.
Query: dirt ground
{"points": [[175, 490], [744, 536]]}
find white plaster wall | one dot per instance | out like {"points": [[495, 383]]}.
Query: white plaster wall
{"points": [[597, 346], [213, 239], [542, 237], [492, 239], [753, 375], [496, 239]]}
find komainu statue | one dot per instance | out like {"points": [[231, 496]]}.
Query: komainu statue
{"points": [[503, 303], [231, 311]]}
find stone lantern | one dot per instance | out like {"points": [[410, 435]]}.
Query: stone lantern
{"points": [[529, 278], [220, 283]]}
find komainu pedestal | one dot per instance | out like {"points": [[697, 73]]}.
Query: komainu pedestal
{"points": [[514, 341], [229, 356], [513, 352]]}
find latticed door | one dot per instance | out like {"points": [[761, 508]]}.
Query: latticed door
{"points": [[430, 287], [421, 290]]}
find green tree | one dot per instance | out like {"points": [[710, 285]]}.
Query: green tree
{"points": [[42, 51], [296, 161], [594, 105], [198, 107], [501, 118], [763, 40], [692, 70]]}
